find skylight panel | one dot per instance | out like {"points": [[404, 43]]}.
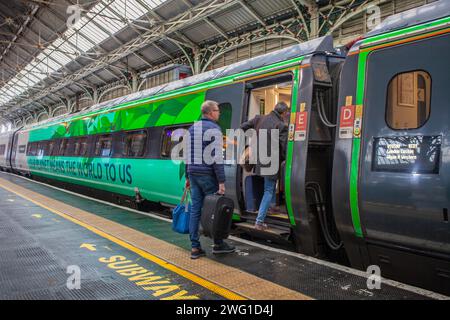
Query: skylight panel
{"points": [[152, 3], [61, 58], [81, 38], [109, 21], [78, 41], [129, 9]]}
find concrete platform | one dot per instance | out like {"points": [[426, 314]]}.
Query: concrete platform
{"points": [[46, 234]]}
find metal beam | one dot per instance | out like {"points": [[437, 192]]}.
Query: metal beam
{"points": [[252, 12], [183, 20], [213, 25]]}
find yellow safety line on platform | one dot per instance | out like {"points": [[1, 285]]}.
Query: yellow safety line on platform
{"points": [[186, 274]]}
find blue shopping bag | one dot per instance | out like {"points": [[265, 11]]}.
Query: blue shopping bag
{"points": [[181, 214]]}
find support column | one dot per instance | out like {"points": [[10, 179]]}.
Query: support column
{"points": [[197, 67], [313, 10], [134, 82]]}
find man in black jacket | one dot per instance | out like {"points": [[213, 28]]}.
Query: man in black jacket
{"points": [[266, 124]]}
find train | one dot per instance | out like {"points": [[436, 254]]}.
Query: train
{"points": [[366, 180]]}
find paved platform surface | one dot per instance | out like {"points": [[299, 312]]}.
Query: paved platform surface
{"points": [[126, 255]]}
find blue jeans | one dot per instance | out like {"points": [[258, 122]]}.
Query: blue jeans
{"points": [[267, 199], [201, 186]]}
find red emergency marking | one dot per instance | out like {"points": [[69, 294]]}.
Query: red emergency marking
{"points": [[347, 116], [301, 121]]}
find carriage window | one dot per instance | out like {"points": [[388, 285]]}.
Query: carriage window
{"points": [[167, 144], [2, 149], [41, 149], [134, 144], [103, 146], [53, 147], [63, 147], [409, 96], [80, 147], [32, 149]]}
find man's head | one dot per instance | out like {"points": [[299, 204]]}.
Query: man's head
{"points": [[282, 109], [210, 110]]}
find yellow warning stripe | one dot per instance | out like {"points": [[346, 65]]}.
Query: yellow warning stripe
{"points": [[166, 265]]}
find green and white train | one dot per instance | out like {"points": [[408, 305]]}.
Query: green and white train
{"points": [[367, 173]]}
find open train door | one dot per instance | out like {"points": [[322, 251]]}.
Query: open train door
{"points": [[399, 182]]}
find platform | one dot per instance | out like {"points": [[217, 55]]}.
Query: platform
{"points": [[46, 233]]}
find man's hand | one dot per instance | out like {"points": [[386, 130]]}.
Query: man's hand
{"points": [[221, 188], [187, 185]]}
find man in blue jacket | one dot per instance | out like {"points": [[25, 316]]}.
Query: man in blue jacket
{"points": [[205, 177]]}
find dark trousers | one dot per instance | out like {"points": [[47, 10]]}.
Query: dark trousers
{"points": [[201, 186]]}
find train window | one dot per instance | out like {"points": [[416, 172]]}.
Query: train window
{"points": [[134, 143], [63, 147], [2, 149], [32, 149], [41, 148], [103, 146], [408, 104], [80, 147], [53, 147], [56, 148], [226, 112], [167, 144]]}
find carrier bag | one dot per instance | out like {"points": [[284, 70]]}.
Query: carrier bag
{"points": [[217, 214], [181, 214]]}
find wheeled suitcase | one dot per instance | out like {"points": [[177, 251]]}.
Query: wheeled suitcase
{"points": [[217, 214]]}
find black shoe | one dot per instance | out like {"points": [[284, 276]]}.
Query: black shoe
{"points": [[223, 248], [195, 254]]}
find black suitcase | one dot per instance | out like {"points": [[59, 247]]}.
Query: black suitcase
{"points": [[217, 215]]}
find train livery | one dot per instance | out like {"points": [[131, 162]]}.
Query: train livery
{"points": [[366, 179]]}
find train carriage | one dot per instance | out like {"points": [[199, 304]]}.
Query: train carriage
{"points": [[391, 173]]}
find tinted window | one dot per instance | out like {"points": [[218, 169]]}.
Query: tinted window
{"points": [[409, 96], [53, 148], [41, 148], [167, 144], [80, 147], [32, 149], [103, 146], [63, 147], [2, 149], [134, 144]]}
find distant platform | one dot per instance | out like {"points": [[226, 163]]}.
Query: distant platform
{"points": [[49, 237]]}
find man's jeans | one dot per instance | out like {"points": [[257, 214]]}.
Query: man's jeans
{"points": [[267, 199], [201, 186]]}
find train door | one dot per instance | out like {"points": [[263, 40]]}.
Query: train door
{"points": [[19, 152], [230, 100], [262, 96], [404, 166], [4, 147]]}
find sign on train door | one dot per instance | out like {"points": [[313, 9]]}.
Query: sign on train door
{"points": [[230, 100], [404, 176]]}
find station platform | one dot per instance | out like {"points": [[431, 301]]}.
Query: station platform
{"points": [[51, 238]]}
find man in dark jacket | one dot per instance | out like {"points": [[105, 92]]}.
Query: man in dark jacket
{"points": [[275, 120], [205, 176]]}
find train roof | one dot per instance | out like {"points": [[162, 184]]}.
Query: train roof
{"points": [[430, 12], [323, 44]]}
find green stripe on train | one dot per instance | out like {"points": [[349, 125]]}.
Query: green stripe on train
{"points": [[157, 180]]}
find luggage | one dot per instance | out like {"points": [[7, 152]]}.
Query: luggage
{"points": [[217, 214], [181, 214]]}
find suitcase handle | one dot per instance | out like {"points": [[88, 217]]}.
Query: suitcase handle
{"points": [[219, 194]]}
